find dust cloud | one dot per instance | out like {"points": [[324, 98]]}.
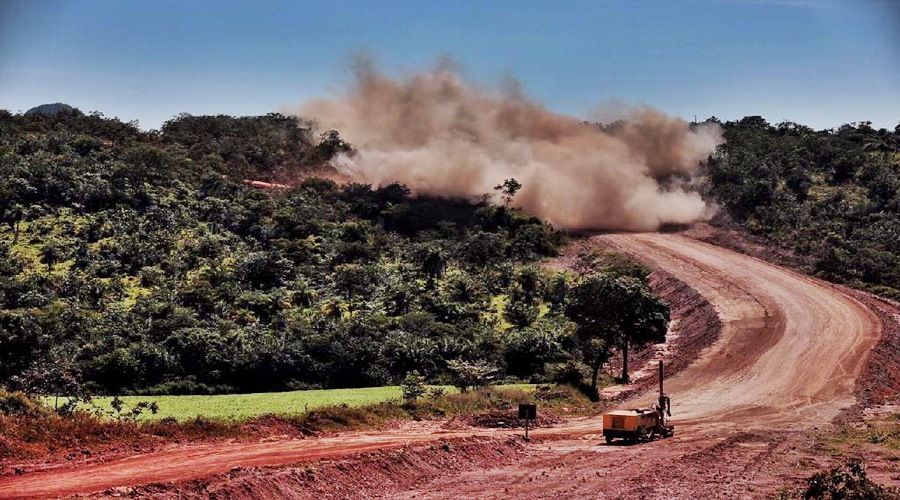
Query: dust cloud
{"points": [[442, 136]]}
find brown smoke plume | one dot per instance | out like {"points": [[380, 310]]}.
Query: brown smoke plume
{"points": [[441, 136]]}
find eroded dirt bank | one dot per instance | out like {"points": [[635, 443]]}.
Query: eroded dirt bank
{"points": [[367, 475], [743, 465], [880, 380]]}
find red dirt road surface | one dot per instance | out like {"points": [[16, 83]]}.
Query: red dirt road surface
{"points": [[790, 349], [788, 357]]}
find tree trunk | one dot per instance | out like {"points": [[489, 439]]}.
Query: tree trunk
{"points": [[595, 396], [625, 362], [15, 226]]}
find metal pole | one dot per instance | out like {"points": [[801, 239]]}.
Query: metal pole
{"points": [[660, 378]]}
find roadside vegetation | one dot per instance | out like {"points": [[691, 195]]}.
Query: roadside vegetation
{"points": [[857, 451], [846, 481], [852, 440], [30, 429], [830, 197], [244, 406]]}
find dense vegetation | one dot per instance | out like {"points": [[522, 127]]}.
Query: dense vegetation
{"points": [[832, 196], [140, 262]]}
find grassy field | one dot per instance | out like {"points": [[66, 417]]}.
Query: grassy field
{"points": [[241, 406]]}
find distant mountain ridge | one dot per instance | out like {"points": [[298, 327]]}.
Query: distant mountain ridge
{"points": [[49, 109]]}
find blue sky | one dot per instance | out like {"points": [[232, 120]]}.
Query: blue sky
{"points": [[822, 63]]}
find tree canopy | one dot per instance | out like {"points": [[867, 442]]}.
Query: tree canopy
{"points": [[830, 198], [146, 261], [615, 312]]}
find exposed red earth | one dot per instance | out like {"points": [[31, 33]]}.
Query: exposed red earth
{"points": [[788, 359]]}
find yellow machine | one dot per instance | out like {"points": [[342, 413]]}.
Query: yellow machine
{"points": [[630, 425], [642, 424]]}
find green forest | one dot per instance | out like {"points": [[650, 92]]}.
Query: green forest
{"points": [[136, 262], [141, 262], [831, 198]]}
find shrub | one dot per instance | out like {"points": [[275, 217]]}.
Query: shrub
{"points": [[17, 403], [468, 374], [413, 386], [343, 417], [847, 481]]}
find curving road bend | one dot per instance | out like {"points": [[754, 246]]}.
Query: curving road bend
{"points": [[789, 354], [790, 349]]}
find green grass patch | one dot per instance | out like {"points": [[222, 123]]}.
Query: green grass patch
{"points": [[244, 406], [497, 306], [32, 430]]}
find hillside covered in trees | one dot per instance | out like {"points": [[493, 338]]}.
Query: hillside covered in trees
{"points": [[830, 197], [142, 262]]}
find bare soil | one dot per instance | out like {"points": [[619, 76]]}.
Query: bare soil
{"points": [[377, 474], [784, 365], [879, 383], [748, 464]]}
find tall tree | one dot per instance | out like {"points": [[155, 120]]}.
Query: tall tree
{"points": [[642, 317], [612, 312], [508, 190]]}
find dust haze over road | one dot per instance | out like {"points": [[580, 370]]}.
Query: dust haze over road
{"points": [[789, 355], [441, 135]]}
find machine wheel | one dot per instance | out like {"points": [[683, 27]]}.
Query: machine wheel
{"points": [[609, 439], [642, 434], [652, 435]]}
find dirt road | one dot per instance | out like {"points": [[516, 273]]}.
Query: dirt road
{"points": [[789, 353], [791, 347], [787, 358]]}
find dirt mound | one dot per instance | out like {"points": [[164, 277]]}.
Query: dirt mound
{"points": [[275, 425], [369, 475]]}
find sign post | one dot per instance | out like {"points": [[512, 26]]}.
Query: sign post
{"points": [[527, 412]]}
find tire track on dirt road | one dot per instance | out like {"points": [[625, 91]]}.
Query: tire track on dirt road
{"points": [[788, 355]]}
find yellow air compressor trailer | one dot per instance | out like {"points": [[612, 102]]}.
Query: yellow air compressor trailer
{"points": [[643, 424], [631, 425]]}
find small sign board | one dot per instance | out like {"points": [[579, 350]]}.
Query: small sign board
{"points": [[527, 412]]}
